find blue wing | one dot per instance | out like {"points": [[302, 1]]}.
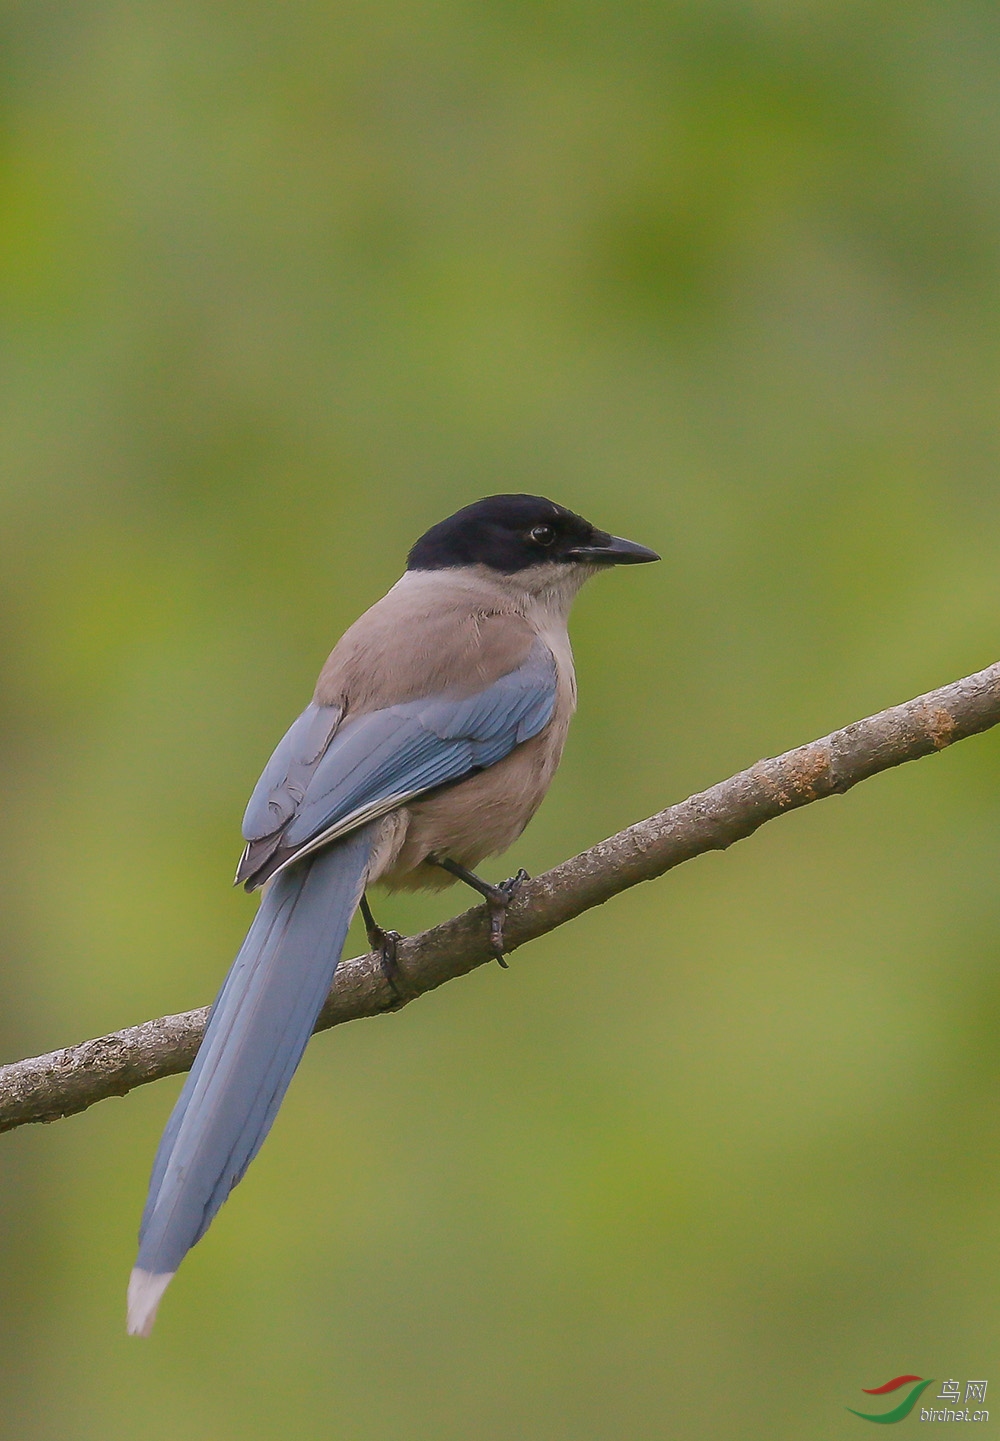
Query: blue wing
{"points": [[328, 777]]}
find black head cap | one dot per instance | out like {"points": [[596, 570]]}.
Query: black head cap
{"points": [[509, 533]]}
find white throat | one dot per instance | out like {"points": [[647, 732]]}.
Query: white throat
{"points": [[547, 592], [544, 594]]}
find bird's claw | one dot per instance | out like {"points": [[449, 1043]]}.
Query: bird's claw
{"points": [[386, 943], [497, 902]]}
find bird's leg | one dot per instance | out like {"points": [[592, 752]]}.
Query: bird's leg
{"points": [[387, 945], [497, 897]]}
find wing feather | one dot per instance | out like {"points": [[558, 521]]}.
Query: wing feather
{"points": [[329, 775]]}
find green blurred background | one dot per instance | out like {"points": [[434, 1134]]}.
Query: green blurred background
{"points": [[281, 285]]}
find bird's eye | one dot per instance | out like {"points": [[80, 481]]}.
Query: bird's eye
{"points": [[543, 535]]}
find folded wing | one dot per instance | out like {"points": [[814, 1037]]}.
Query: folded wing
{"points": [[330, 774]]}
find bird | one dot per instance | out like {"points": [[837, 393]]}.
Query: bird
{"points": [[434, 731]]}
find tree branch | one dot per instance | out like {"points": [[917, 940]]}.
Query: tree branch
{"points": [[61, 1083]]}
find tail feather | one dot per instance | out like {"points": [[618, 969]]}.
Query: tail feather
{"points": [[258, 1029]]}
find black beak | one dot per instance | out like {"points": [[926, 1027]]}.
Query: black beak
{"points": [[612, 550]]}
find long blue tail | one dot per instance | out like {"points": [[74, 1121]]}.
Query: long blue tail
{"points": [[258, 1029]]}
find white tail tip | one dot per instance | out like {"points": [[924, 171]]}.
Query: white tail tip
{"points": [[145, 1290]]}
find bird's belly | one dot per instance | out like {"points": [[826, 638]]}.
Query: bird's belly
{"points": [[476, 818]]}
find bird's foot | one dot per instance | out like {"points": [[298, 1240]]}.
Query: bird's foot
{"points": [[497, 902], [497, 898], [386, 944]]}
